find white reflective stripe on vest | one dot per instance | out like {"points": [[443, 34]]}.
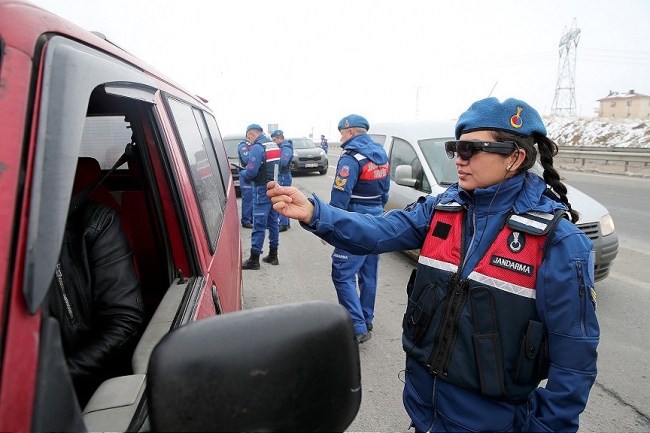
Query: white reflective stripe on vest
{"points": [[503, 285], [363, 197], [437, 264], [480, 278]]}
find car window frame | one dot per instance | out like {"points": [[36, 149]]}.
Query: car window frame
{"points": [[56, 149]]}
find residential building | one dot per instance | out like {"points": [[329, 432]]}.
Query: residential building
{"points": [[624, 105]]}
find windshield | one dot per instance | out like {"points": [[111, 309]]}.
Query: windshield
{"points": [[302, 143], [443, 168], [232, 147]]}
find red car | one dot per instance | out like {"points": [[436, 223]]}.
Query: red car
{"points": [[71, 105]]}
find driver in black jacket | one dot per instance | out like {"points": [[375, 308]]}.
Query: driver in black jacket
{"points": [[96, 298]]}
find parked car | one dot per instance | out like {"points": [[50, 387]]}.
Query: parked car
{"points": [[308, 157], [419, 166], [73, 102], [231, 141]]}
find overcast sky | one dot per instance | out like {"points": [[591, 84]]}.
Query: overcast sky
{"points": [[305, 64]]}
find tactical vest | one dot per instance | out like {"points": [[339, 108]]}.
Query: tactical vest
{"points": [[367, 190], [482, 333], [267, 168]]}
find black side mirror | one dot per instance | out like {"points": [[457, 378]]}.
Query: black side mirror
{"points": [[291, 367]]}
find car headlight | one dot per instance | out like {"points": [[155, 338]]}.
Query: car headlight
{"points": [[606, 225]]}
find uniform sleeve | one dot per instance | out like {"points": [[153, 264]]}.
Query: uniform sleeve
{"points": [[253, 165], [362, 234], [117, 309], [346, 177], [566, 304], [285, 157], [244, 154], [384, 196]]}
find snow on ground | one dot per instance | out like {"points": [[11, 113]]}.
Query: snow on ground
{"points": [[598, 131]]}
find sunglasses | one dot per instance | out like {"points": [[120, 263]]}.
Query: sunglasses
{"points": [[466, 149]]}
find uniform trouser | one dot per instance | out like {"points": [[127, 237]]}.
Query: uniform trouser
{"points": [[246, 201], [284, 179], [264, 218], [346, 268]]}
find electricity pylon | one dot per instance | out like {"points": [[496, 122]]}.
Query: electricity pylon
{"points": [[564, 102]]}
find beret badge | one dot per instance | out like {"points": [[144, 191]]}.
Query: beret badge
{"points": [[516, 121]]}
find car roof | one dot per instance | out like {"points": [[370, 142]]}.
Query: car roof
{"points": [[415, 130], [234, 136]]}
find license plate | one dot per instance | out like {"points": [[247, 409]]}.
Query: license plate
{"points": [[311, 165]]}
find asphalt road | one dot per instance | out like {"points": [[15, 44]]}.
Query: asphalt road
{"points": [[620, 398]]}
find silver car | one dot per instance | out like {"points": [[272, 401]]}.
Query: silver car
{"points": [[308, 157], [419, 166], [231, 142]]}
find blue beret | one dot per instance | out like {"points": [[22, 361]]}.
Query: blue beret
{"points": [[511, 115], [354, 121], [277, 133], [254, 126]]}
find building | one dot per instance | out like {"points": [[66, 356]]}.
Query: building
{"points": [[624, 105]]}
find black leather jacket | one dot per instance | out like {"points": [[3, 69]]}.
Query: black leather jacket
{"points": [[96, 297]]}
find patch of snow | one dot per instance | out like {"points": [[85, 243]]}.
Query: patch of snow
{"points": [[598, 132]]}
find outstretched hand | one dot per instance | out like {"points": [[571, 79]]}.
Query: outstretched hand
{"points": [[290, 202]]}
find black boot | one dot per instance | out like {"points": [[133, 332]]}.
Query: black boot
{"points": [[252, 263], [272, 258]]}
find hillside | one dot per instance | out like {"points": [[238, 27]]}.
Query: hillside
{"points": [[596, 131]]}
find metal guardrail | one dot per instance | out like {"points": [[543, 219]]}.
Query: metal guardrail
{"points": [[626, 155], [608, 154]]}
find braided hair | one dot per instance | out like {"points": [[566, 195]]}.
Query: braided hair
{"points": [[547, 150]]}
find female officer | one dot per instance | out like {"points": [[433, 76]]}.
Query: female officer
{"points": [[503, 296]]}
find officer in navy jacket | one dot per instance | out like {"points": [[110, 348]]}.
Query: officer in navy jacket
{"points": [[245, 187], [503, 296], [284, 177], [263, 162], [361, 185], [323, 143]]}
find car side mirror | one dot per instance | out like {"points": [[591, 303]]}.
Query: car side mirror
{"points": [[404, 175], [290, 367]]}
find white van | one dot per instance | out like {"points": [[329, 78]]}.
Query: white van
{"points": [[419, 166]]}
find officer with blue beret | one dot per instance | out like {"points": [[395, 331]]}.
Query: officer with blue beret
{"points": [[360, 185], [284, 177], [246, 187], [503, 296], [263, 161]]}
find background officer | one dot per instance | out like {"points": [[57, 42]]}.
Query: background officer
{"points": [[245, 187], [263, 161], [323, 143], [361, 185], [284, 177]]}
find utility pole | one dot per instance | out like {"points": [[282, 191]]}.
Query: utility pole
{"points": [[564, 102]]}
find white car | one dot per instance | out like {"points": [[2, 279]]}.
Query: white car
{"points": [[419, 166]]}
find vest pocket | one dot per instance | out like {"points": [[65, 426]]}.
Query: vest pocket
{"points": [[419, 313], [532, 358], [487, 344]]}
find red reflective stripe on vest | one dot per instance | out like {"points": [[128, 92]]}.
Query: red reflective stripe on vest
{"points": [[501, 262], [504, 264], [447, 250], [272, 154], [372, 171]]}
